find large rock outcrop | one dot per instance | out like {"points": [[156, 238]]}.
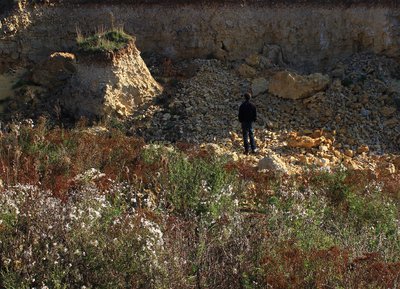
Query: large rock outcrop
{"points": [[109, 84], [290, 85]]}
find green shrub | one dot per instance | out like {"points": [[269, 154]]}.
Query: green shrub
{"points": [[333, 185], [375, 210], [199, 187]]}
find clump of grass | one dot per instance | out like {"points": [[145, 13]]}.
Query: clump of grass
{"points": [[104, 41]]}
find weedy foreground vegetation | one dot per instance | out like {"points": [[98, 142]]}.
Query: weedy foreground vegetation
{"points": [[80, 209]]}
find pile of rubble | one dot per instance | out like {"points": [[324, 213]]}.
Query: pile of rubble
{"points": [[345, 116], [203, 109], [349, 115]]}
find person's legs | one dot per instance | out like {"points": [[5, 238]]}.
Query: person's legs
{"points": [[252, 140], [245, 133]]}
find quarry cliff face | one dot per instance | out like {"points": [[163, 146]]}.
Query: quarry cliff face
{"points": [[311, 36]]}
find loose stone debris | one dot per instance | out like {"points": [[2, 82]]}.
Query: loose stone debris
{"points": [[349, 116]]}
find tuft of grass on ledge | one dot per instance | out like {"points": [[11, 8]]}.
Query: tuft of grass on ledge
{"points": [[107, 41]]}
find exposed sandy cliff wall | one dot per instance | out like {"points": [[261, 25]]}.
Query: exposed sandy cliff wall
{"points": [[102, 87], [310, 35]]}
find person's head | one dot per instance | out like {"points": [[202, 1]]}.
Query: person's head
{"points": [[247, 95]]}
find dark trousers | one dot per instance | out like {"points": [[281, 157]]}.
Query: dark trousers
{"points": [[248, 132]]}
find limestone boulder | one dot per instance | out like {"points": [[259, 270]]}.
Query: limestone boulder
{"points": [[289, 85], [253, 60], [304, 141], [349, 152], [274, 163], [246, 70], [362, 149], [259, 85], [259, 61]]}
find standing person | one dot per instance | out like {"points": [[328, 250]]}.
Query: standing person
{"points": [[248, 115]]}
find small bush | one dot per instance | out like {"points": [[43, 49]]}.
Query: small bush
{"points": [[198, 187]]}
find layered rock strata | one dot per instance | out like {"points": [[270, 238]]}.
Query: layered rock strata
{"points": [[309, 36], [104, 85]]}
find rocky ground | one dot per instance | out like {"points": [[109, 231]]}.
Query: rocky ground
{"points": [[350, 115]]}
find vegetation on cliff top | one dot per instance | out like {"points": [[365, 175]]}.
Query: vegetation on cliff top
{"points": [[105, 41]]}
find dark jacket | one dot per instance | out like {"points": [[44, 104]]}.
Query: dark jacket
{"points": [[247, 112]]}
